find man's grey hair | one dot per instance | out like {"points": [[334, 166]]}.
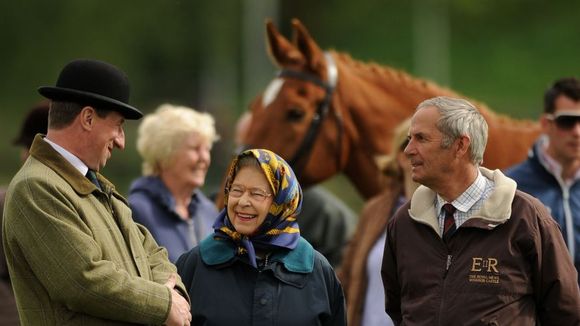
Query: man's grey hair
{"points": [[460, 118]]}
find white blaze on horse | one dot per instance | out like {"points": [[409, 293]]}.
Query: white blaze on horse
{"points": [[327, 113]]}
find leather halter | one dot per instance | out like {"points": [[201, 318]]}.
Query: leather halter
{"points": [[303, 153]]}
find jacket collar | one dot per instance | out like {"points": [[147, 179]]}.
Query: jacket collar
{"points": [[154, 186], [44, 153], [496, 209], [539, 155], [299, 260]]}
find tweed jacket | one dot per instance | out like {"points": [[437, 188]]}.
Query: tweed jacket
{"points": [[8, 311], [74, 254]]}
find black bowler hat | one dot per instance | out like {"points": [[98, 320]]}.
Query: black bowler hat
{"points": [[93, 82]]}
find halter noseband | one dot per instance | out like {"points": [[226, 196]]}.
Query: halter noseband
{"points": [[303, 153]]}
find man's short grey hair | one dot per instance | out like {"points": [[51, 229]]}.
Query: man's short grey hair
{"points": [[460, 118]]}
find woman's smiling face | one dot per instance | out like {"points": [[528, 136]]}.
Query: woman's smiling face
{"points": [[248, 206]]}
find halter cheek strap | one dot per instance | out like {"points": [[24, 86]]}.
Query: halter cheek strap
{"points": [[303, 153]]}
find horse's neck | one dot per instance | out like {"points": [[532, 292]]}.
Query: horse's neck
{"points": [[376, 99], [373, 101], [362, 171], [509, 141]]}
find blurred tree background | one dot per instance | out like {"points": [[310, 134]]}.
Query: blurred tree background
{"points": [[211, 55]]}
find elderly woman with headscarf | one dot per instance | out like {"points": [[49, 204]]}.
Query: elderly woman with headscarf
{"points": [[256, 266], [175, 144]]}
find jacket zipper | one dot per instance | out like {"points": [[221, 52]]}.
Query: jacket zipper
{"points": [[568, 218], [447, 265]]}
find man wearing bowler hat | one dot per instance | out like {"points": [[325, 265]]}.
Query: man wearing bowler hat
{"points": [[74, 254]]}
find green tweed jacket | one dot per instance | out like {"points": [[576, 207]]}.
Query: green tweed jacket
{"points": [[74, 254]]}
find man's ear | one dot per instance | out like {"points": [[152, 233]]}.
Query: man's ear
{"points": [[545, 123], [463, 143], [87, 117]]}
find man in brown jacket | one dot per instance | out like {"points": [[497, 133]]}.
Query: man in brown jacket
{"points": [[74, 254], [469, 249]]}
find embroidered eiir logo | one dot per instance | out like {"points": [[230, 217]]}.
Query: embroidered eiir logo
{"points": [[484, 270]]}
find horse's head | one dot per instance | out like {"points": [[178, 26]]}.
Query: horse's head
{"points": [[327, 113], [296, 116]]}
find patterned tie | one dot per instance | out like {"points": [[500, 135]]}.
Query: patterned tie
{"points": [[92, 176], [449, 224]]}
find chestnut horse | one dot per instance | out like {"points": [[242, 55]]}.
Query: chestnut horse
{"points": [[327, 113]]}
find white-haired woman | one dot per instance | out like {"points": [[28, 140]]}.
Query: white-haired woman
{"points": [[174, 143]]}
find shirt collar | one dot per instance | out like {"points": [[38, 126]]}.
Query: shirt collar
{"points": [[550, 163], [70, 157], [468, 198]]}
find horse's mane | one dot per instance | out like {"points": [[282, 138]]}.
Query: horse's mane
{"points": [[423, 86]]}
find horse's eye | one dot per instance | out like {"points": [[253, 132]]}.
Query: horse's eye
{"points": [[295, 115], [302, 92]]}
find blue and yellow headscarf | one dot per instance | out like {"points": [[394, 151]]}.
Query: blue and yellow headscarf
{"points": [[280, 228]]}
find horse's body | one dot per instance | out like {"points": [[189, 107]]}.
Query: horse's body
{"points": [[366, 104]]}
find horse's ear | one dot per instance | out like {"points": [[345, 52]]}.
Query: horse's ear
{"points": [[282, 52], [309, 49]]}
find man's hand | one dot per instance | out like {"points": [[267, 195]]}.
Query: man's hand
{"points": [[179, 315]]}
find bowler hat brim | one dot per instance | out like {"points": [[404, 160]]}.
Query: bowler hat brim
{"points": [[68, 94]]}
